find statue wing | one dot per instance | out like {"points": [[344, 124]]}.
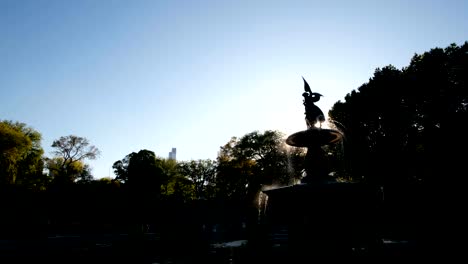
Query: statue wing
{"points": [[306, 86]]}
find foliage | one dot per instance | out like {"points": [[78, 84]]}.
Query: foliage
{"points": [[175, 184], [73, 148], [68, 164], [201, 173], [179, 188], [233, 178], [141, 172], [170, 172], [85, 176], [21, 155], [256, 160], [400, 126], [121, 168]]}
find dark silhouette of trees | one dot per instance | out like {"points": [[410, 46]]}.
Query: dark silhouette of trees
{"points": [[142, 177], [140, 172], [121, 168], [407, 125], [405, 130]]}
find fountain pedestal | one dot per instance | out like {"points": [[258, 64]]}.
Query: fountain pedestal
{"points": [[316, 162]]}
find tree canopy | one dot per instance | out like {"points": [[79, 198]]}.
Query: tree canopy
{"points": [[140, 171], [255, 160], [20, 155], [406, 125], [68, 164], [201, 173]]}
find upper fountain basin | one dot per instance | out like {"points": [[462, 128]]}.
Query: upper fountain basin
{"points": [[314, 136]]}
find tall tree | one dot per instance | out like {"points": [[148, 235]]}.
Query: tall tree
{"points": [[233, 177], [21, 155], [175, 185], [141, 172], [256, 159], [70, 153], [201, 173], [121, 168], [142, 176], [270, 154], [398, 126]]}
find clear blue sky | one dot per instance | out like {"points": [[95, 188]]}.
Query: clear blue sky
{"points": [[131, 75]]}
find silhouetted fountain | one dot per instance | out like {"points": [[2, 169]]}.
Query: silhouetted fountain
{"points": [[320, 216], [314, 138]]}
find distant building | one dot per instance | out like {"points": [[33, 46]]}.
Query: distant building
{"points": [[172, 154]]}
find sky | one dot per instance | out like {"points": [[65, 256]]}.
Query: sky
{"points": [[132, 75]]}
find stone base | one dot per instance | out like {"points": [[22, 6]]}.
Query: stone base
{"points": [[324, 218]]}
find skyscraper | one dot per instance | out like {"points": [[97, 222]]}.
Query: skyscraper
{"points": [[172, 154]]}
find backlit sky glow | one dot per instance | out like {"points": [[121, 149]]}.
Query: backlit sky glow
{"points": [[131, 75]]}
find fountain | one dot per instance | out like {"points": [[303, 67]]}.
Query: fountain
{"points": [[314, 138], [320, 216]]}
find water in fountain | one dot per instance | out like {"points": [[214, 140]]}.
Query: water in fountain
{"points": [[293, 154]]}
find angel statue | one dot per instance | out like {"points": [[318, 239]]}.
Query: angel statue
{"points": [[312, 112]]}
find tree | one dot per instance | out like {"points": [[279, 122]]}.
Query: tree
{"points": [[398, 127], [179, 188], [248, 164], [233, 177], [373, 115], [121, 168], [201, 173], [140, 172], [85, 176], [175, 185], [21, 155], [270, 154], [255, 160], [142, 176], [68, 163]]}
